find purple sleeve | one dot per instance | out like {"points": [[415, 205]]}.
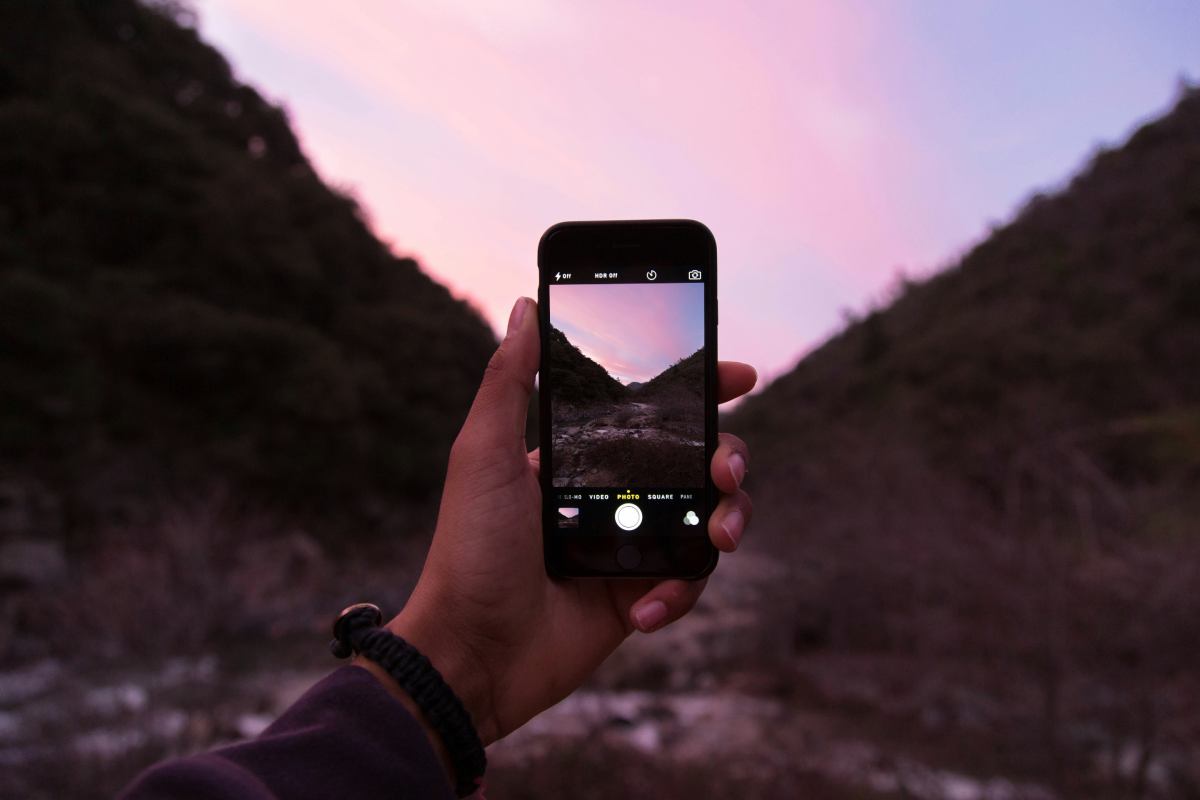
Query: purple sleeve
{"points": [[346, 737]]}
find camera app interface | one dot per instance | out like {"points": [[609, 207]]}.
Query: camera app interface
{"points": [[626, 375]]}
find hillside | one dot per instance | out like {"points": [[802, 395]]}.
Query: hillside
{"points": [[578, 380], [987, 492], [1079, 320], [682, 381], [183, 301]]}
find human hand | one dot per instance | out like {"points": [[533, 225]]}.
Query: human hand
{"points": [[506, 637]]}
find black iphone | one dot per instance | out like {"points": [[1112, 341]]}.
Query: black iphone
{"points": [[628, 403]]}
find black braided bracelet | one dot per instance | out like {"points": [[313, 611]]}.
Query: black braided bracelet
{"points": [[357, 630]]}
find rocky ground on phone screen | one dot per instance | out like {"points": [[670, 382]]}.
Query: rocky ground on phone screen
{"points": [[633, 443]]}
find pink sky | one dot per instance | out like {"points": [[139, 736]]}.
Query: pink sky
{"points": [[633, 330], [826, 145]]}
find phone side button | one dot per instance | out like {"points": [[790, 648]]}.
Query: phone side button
{"points": [[629, 557]]}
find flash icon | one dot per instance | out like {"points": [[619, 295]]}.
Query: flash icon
{"points": [[557, 275]]}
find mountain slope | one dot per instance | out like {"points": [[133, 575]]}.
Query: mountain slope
{"points": [[183, 300], [985, 496], [1080, 319], [683, 380], [578, 380]]}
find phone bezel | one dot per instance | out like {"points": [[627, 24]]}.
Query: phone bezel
{"points": [[588, 245]]}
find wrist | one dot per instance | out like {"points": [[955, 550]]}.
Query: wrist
{"points": [[409, 674], [458, 665]]}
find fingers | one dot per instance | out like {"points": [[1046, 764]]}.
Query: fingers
{"points": [[728, 522], [665, 603], [730, 463], [535, 461], [502, 402], [734, 379]]}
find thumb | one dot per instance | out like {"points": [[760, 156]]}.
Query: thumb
{"points": [[501, 405]]}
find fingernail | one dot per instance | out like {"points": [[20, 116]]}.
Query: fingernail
{"points": [[737, 468], [732, 525], [518, 314], [648, 616]]}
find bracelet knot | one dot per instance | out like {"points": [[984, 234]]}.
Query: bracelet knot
{"points": [[350, 624]]}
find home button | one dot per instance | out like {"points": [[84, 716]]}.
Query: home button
{"points": [[629, 557]]}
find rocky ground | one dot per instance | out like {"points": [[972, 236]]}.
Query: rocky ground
{"points": [[717, 705], [107, 725], [707, 708], [638, 443]]}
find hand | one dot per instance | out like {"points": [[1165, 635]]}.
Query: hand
{"points": [[508, 639]]}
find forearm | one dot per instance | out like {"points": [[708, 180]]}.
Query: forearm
{"points": [[346, 737]]}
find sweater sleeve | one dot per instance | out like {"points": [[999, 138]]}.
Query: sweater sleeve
{"points": [[346, 737]]}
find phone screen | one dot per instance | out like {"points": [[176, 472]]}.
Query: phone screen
{"points": [[626, 374]]}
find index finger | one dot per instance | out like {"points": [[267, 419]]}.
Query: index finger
{"points": [[734, 379]]}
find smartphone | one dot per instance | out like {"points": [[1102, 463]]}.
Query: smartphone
{"points": [[628, 403]]}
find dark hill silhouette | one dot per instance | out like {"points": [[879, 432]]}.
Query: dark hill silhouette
{"points": [[683, 380], [1076, 320], [183, 299], [994, 482], [577, 379]]}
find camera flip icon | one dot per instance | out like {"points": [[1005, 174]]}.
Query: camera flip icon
{"points": [[694, 275]]}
